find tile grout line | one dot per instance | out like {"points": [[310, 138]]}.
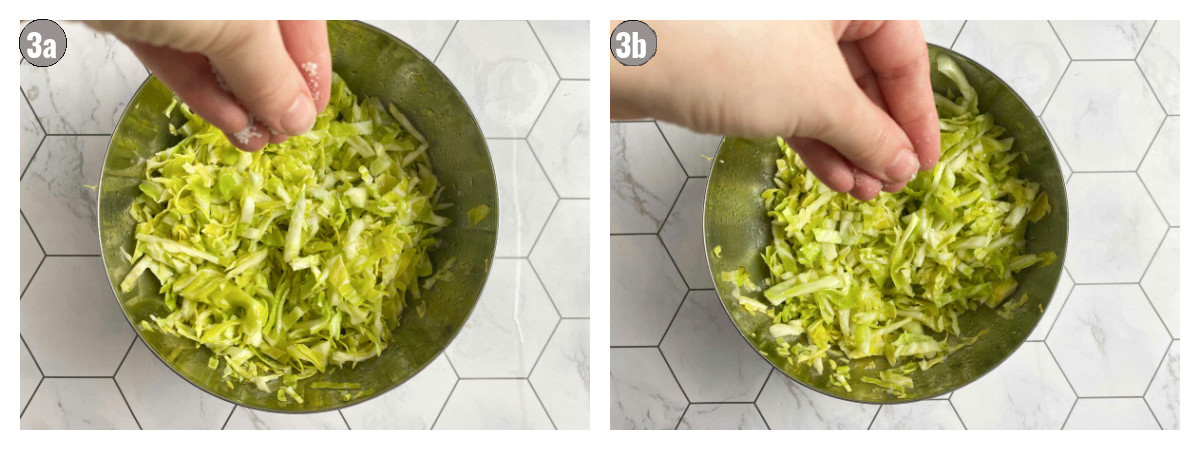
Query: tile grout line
{"points": [[1060, 41], [538, 238], [673, 377], [1161, 241], [539, 116], [444, 403], [1057, 315], [760, 414], [671, 323], [682, 415], [1060, 369], [673, 153], [35, 238], [1055, 91], [1161, 362], [543, 351], [25, 169], [444, 42], [541, 403], [763, 388], [956, 35], [31, 397], [1151, 86], [543, 47], [31, 277], [547, 291], [34, 112], [1069, 412], [1154, 202], [347, 422], [1156, 313], [230, 416], [127, 351], [452, 369], [1145, 41], [127, 406], [1152, 414], [536, 159], [876, 416], [1150, 146], [956, 414]]}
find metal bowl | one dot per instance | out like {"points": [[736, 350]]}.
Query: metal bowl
{"points": [[373, 63], [734, 218]]}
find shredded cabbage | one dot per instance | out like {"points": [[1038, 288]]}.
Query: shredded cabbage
{"points": [[891, 276], [295, 259]]}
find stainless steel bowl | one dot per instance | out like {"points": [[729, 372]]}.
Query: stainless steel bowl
{"points": [[373, 63], [735, 220]]}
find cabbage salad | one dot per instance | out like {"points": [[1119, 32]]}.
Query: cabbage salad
{"points": [[295, 259], [891, 276]]}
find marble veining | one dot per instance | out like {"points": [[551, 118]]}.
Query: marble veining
{"points": [[683, 233], [1028, 391], [694, 150], [526, 197], [566, 42], [562, 378], [708, 355], [1160, 170], [1162, 281], [1102, 39], [31, 254], [1163, 393], [77, 404], [645, 178], [561, 258], [31, 133], [1114, 209], [250, 419], [643, 394], [786, 404], [1025, 54], [493, 404], [413, 405], [1111, 414], [645, 290], [923, 415], [30, 376], [561, 139], [163, 400], [722, 416], [1159, 60], [54, 198]]}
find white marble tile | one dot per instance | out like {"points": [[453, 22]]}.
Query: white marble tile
{"points": [[1160, 170], [526, 197], [60, 209], [1113, 209], [644, 177], [710, 358], [71, 321], [493, 404], [562, 378], [941, 32], [162, 400], [1025, 54], [77, 404], [566, 42], [561, 258], [413, 405], [645, 290], [1163, 394], [31, 255], [501, 71], [786, 404], [1063, 165], [31, 133], [722, 416], [87, 90], [426, 36], [1102, 39], [924, 415], [250, 419], [1160, 61], [643, 395], [1027, 391], [1056, 303], [1103, 116], [1108, 340], [561, 139], [684, 234], [509, 327], [30, 376], [1161, 282], [692, 148], [1111, 414]]}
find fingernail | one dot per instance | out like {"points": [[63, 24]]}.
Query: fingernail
{"points": [[904, 167], [299, 117]]}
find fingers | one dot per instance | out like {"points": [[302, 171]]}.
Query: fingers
{"points": [[825, 163], [897, 54], [866, 187], [307, 43]]}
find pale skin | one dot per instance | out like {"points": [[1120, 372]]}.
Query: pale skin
{"points": [[853, 98], [258, 81]]}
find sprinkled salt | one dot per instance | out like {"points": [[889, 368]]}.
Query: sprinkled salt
{"points": [[310, 68], [245, 134]]}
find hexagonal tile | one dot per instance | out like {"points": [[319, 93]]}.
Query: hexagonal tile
{"points": [[722, 416], [643, 395], [1163, 393], [1108, 340], [31, 133], [566, 42], [1027, 391], [87, 91], [561, 258], [425, 36], [562, 378], [786, 404], [684, 234], [561, 139], [693, 149], [1103, 116], [941, 32], [78, 404], [501, 71], [509, 327], [1161, 282], [249, 419], [31, 254], [30, 376], [60, 209], [1111, 414], [526, 197], [1056, 303], [413, 405], [1062, 162], [493, 404], [925, 415], [1102, 39], [71, 321], [1025, 54], [709, 356], [1160, 170], [645, 290], [1159, 59], [163, 400], [1114, 209], [644, 180]]}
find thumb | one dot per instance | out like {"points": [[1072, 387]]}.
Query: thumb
{"points": [[864, 133]]}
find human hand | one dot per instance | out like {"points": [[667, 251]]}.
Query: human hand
{"points": [[258, 81], [853, 98]]}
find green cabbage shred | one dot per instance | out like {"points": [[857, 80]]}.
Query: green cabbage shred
{"points": [[298, 258], [890, 277]]}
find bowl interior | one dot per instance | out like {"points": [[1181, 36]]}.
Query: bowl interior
{"points": [[734, 218], [373, 63]]}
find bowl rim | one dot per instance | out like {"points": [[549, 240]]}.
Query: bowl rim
{"points": [[708, 258], [470, 311]]}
